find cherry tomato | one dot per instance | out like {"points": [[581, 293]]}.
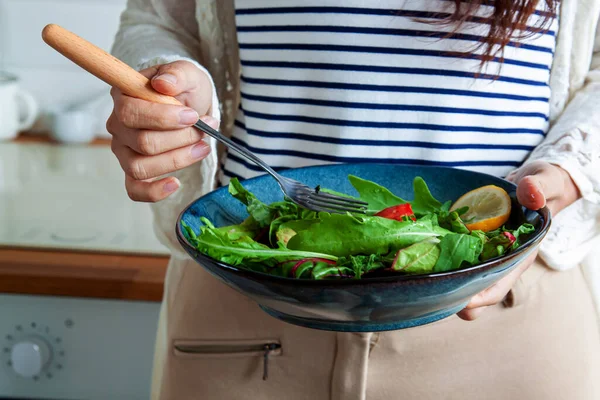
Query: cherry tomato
{"points": [[397, 212]]}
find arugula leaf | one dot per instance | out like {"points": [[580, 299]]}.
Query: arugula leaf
{"points": [[496, 246], [446, 206], [333, 192], [361, 264], [288, 229], [457, 248], [324, 270], [242, 250], [424, 203], [345, 235], [452, 222], [524, 229], [274, 228], [419, 258], [259, 211], [377, 196]]}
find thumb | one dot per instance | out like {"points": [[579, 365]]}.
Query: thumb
{"points": [[185, 81], [176, 78], [536, 190]]}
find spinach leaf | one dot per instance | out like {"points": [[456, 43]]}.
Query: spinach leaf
{"points": [[424, 203], [345, 235], [377, 196], [419, 258], [457, 248]]}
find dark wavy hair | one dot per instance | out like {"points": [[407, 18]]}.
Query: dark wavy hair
{"points": [[508, 20]]}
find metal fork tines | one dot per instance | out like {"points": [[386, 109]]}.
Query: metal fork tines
{"points": [[319, 201], [296, 191]]}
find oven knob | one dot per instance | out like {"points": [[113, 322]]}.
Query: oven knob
{"points": [[30, 356]]}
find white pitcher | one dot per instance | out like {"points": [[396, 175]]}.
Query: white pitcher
{"points": [[18, 109]]}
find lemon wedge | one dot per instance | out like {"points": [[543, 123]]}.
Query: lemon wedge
{"points": [[489, 208]]}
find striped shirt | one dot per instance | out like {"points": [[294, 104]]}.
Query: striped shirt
{"points": [[326, 81]]}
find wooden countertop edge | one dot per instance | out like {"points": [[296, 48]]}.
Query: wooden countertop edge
{"points": [[44, 138], [82, 274]]}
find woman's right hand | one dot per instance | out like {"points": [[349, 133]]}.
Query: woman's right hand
{"points": [[151, 139]]}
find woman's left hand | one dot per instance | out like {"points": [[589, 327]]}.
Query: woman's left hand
{"points": [[539, 184]]}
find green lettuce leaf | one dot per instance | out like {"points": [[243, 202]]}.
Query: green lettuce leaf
{"points": [[236, 249], [377, 196], [261, 213], [345, 235], [457, 249], [419, 258], [361, 264], [424, 203]]}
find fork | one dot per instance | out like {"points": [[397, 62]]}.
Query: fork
{"points": [[118, 74], [298, 192]]}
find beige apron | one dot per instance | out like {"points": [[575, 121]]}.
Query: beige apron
{"points": [[544, 346]]}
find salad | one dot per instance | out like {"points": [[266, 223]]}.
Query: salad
{"points": [[395, 236]]}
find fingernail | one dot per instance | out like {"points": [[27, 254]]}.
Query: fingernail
{"points": [[210, 121], [172, 79], [171, 186], [200, 151], [188, 117]]}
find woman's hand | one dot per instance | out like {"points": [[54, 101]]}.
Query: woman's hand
{"points": [[539, 184], [151, 139]]}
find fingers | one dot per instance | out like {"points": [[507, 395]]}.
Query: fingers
{"points": [[141, 167], [470, 314], [149, 142], [135, 113], [495, 293], [151, 191]]}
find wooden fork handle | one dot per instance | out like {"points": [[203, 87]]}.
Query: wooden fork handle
{"points": [[103, 65]]}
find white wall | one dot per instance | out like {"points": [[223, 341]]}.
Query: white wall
{"points": [[55, 81]]}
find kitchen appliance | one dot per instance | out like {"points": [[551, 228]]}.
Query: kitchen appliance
{"points": [[74, 349], [65, 348], [18, 109]]}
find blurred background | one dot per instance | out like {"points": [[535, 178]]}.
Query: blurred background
{"points": [[81, 271]]}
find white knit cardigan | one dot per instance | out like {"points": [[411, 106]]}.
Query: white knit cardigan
{"points": [[203, 31]]}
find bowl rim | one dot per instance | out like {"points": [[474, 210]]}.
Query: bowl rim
{"points": [[544, 213]]}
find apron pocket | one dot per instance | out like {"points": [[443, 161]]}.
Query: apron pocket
{"points": [[264, 348]]}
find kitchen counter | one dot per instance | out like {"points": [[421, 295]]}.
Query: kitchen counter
{"points": [[82, 274], [67, 227]]}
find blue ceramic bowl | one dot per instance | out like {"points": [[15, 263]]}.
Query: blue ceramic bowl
{"points": [[370, 304]]}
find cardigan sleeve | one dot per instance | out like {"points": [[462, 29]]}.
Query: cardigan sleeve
{"points": [[573, 143], [154, 32]]}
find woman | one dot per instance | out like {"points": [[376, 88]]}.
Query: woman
{"points": [[332, 81]]}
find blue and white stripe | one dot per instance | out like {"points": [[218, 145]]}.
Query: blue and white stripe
{"points": [[325, 83]]}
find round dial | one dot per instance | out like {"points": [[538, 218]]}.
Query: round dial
{"points": [[30, 356]]}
